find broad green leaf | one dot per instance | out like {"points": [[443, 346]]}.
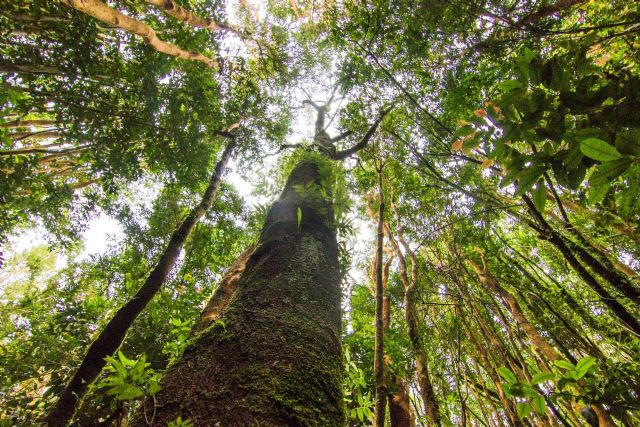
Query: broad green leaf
{"points": [[540, 196], [523, 409], [527, 178], [582, 367], [541, 377], [607, 171], [598, 149], [507, 375], [508, 85], [597, 191], [539, 404], [564, 364]]}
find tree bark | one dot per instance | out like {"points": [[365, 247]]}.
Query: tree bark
{"points": [[224, 292], [400, 413], [378, 363], [104, 13], [114, 332], [171, 8], [275, 357], [546, 11], [27, 123], [413, 329]]}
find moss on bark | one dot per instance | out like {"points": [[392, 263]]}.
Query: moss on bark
{"points": [[277, 359]]}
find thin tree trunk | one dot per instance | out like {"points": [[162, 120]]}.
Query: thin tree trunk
{"points": [[411, 317], [6, 67], [614, 305], [111, 16], [609, 261], [546, 11], [378, 363], [619, 224], [536, 339], [114, 332], [46, 134], [27, 123], [275, 357]]}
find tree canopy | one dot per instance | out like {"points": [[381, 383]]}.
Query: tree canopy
{"points": [[484, 164]]}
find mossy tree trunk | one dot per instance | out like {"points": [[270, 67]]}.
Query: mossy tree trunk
{"points": [[276, 358]]}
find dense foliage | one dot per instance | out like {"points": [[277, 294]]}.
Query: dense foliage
{"points": [[510, 170]]}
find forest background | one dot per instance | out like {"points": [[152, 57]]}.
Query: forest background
{"points": [[505, 145]]}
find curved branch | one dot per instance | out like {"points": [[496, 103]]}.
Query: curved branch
{"points": [[113, 17], [170, 7], [341, 155]]}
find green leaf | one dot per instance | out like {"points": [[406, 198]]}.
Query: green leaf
{"points": [[523, 409], [539, 196], [582, 367], [598, 149], [564, 364], [507, 375], [597, 191], [299, 216], [539, 404], [541, 377], [527, 178], [508, 85], [607, 171]]}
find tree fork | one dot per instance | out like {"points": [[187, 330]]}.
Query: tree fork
{"points": [[114, 332]]}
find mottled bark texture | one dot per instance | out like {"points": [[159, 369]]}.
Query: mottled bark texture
{"points": [[277, 359], [225, 290]]}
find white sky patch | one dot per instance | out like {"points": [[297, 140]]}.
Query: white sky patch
{"points": [[101, 232]]}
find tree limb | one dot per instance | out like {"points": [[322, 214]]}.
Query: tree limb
{"points": [[341, 155], [113, 17], [170, 7]]}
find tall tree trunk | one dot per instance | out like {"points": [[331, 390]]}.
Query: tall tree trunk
{"points": [[275, 357], [114, 332], [378, 363]]}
